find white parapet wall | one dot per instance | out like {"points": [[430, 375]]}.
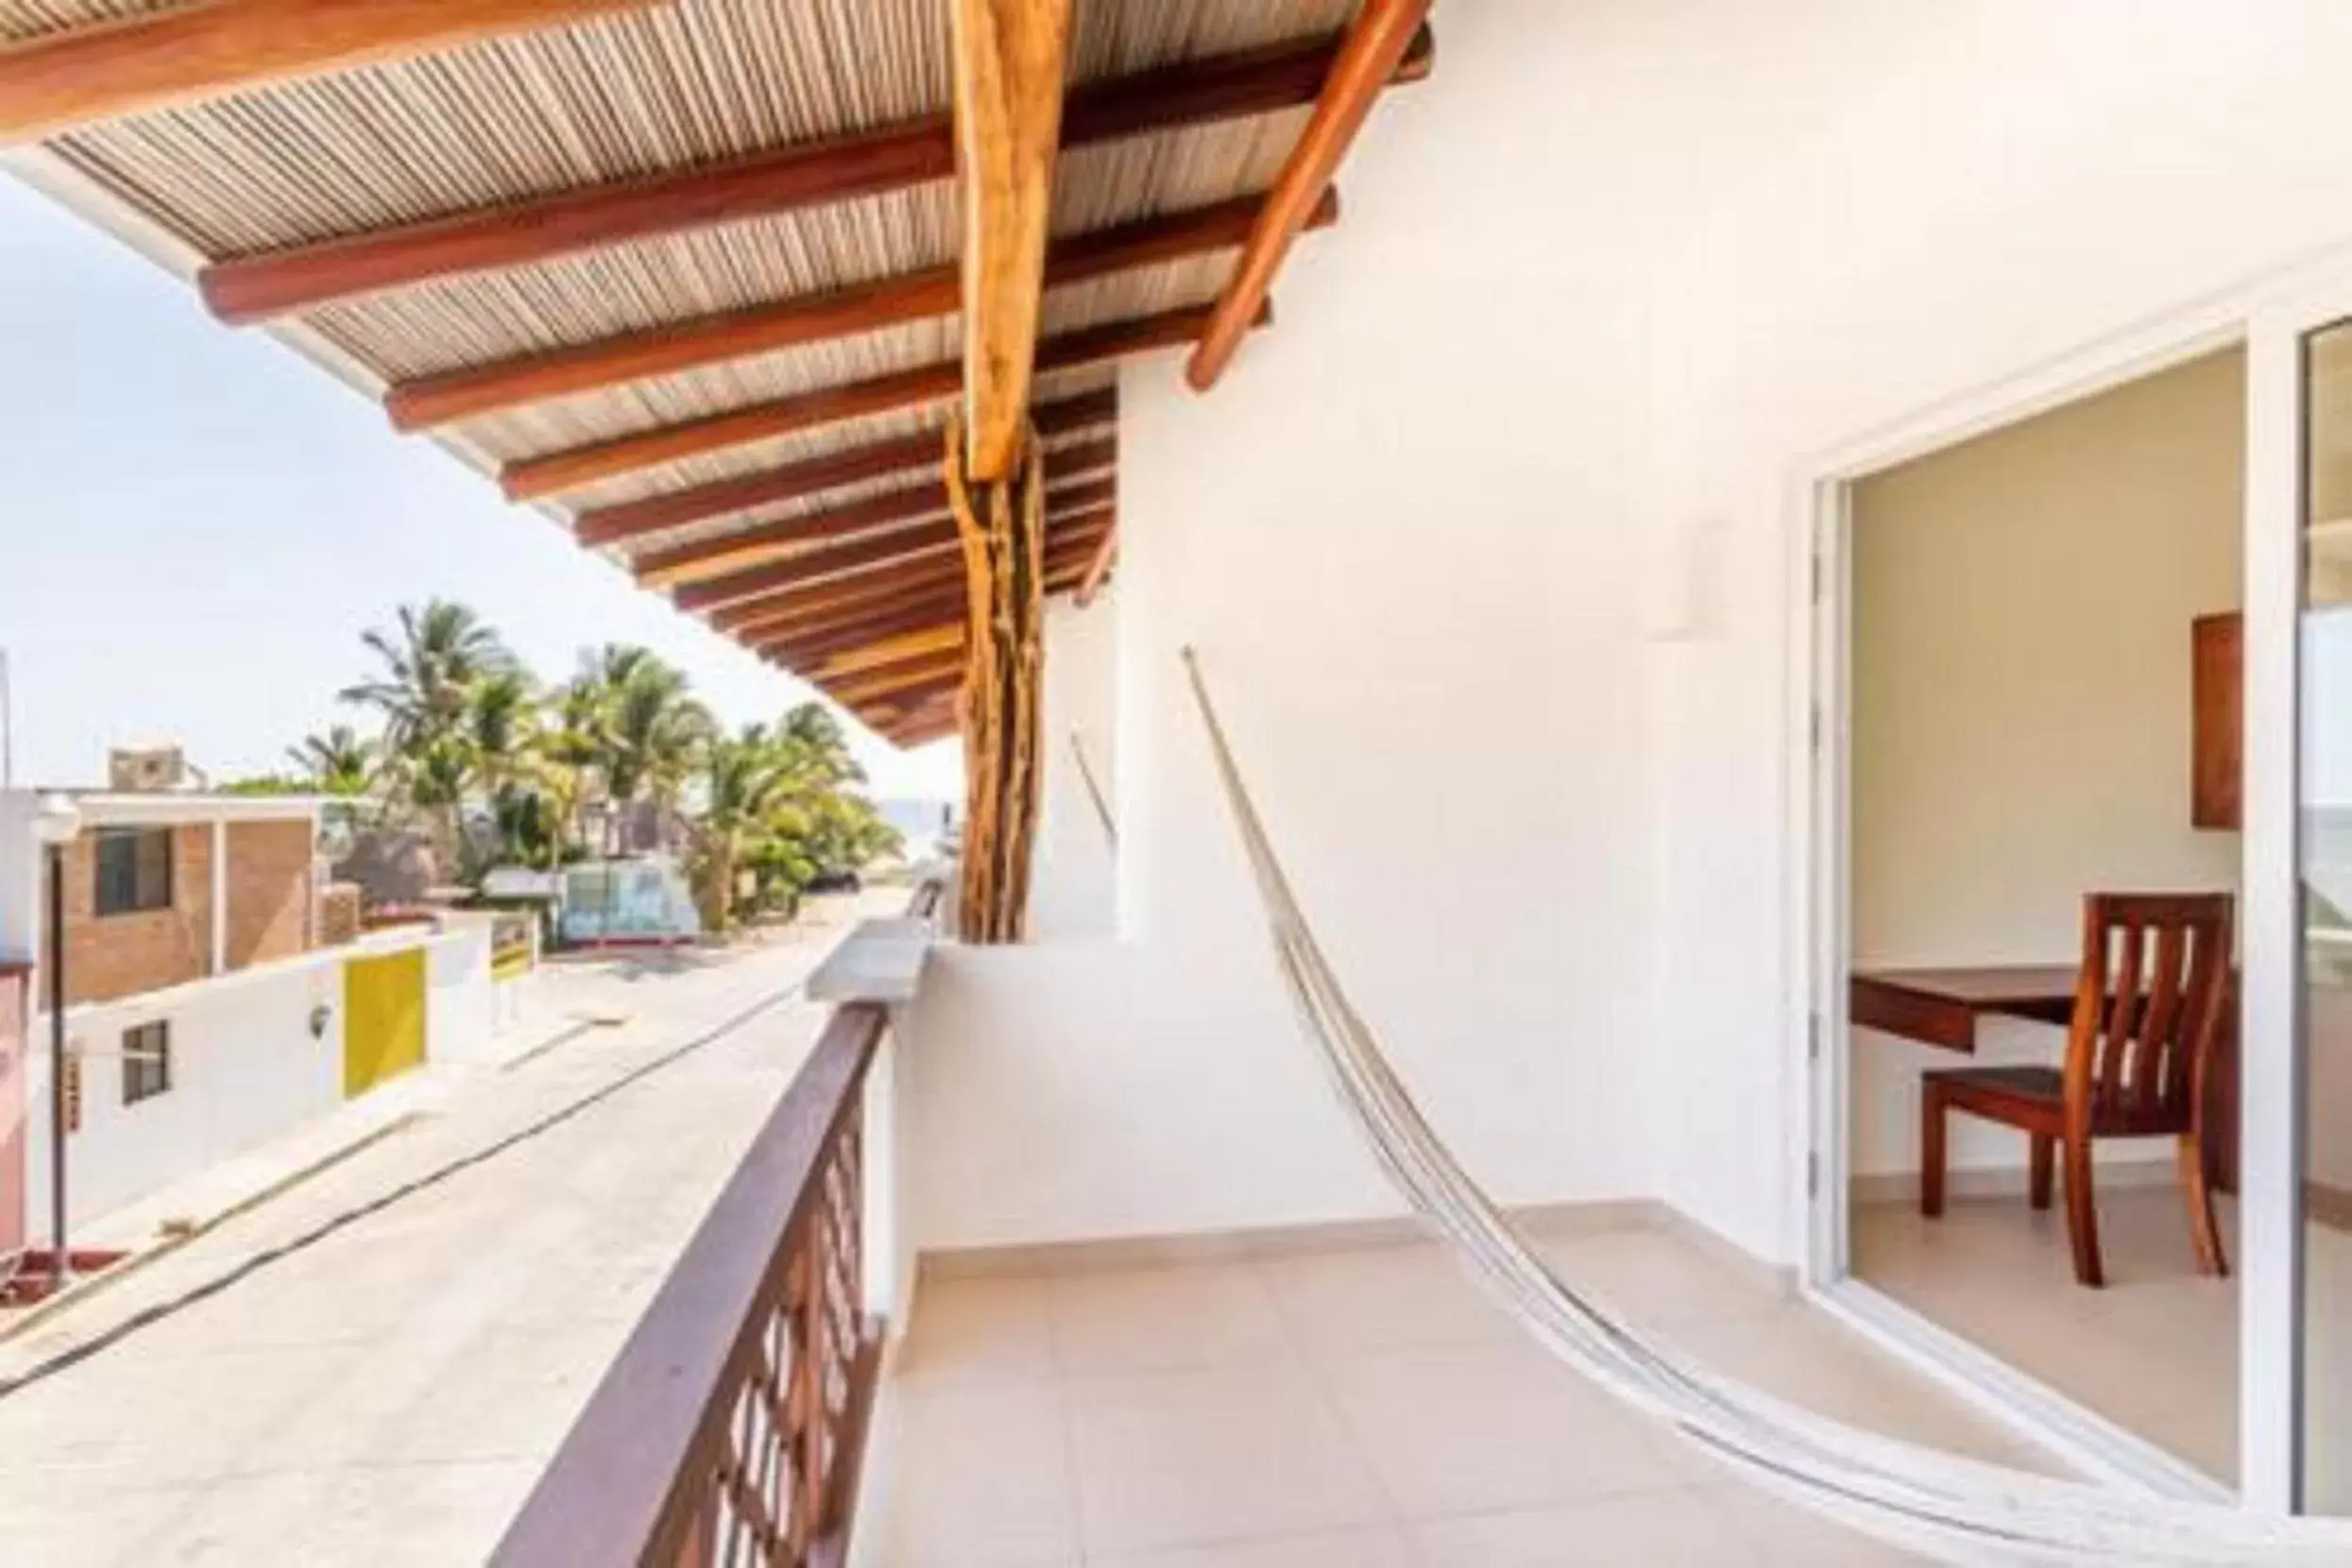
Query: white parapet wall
{"points": [[254, 1056], [462, 1010]]}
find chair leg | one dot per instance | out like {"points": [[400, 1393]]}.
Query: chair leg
{"points": [[2082, 1214], [2045, 1161], [1931, 1149], [2204, 1228]]}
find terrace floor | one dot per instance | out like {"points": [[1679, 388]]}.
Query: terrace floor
{"points": [[1356, 1408], [2156, 1351]]}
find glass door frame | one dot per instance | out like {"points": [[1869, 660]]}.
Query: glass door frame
{"points": [[2270, 317], [2273, 1084]]}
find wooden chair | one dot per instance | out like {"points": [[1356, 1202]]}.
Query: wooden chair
{"points": [[2147, 1010]]}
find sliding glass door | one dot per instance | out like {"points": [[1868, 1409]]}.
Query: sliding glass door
{"points": [[2324, 865]]}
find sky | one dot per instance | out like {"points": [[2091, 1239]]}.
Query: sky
{"points": [[197, 524]]}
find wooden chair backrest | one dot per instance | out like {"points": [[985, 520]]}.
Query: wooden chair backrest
{"points": [[2147, 1009]]}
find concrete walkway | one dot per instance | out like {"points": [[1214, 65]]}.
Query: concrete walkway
{"points": [[387, 1394]]}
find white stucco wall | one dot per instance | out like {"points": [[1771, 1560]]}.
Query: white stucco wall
{"points": [[1985, 187], [244, 1068], [461, 1002], [1074, 872], [1395, 535], [1494, 550]]}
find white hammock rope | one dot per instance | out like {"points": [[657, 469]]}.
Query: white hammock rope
{"points": [[1953, 1509]]}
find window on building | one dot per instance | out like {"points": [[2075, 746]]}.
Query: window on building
{"points": [[147, 1062], [134, 870]]}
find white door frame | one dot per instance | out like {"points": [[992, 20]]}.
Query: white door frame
{"points": [[2271, 1210], [2268, 317]]}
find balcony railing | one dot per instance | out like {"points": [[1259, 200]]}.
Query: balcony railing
{"points": [[730, 1428]]}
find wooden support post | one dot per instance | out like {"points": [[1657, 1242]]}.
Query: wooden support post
{"points": [[1002, 528]]}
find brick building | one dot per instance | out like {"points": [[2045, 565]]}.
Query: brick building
{"points": [[162, 889]]}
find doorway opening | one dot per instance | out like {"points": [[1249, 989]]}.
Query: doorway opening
{"points": [[2040, 646]]}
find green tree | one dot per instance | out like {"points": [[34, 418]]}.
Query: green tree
{"points": [[431, 658], [654, 735], [743, 784], [337, 761], [821, 744]]}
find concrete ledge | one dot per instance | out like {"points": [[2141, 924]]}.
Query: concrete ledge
{"points": [[881, 960]]}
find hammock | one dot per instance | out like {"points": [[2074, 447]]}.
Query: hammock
{"points": [[1943, 1506]]}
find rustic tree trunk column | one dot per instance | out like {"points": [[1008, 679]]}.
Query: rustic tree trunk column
{"points": [[1002, 528]]}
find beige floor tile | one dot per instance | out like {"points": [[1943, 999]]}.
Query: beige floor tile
{"points": [[2155, 1352], [1786, 1536], [1142, 1319], [1342, 1303], [1372, 1548], [1657, 1277], [1196, 1457], [980, 1478], [979, 1331], [1477, 1428], [1799, 1354], [1653, 1529]]}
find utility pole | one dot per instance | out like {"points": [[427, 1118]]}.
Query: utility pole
{"points": [[61, 1264]]}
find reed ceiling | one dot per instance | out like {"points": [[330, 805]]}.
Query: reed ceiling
{"points": [[689, 90]]}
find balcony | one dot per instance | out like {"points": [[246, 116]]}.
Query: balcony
{"points": [[1356, 1407], [656, 1331]]}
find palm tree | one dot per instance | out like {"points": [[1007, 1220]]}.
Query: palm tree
{"points": [[434, 778], [572, 749], [340, 761], [503, 739], [430, 659], [824, 746], [501, 726], [656, 733], [743, 785]]}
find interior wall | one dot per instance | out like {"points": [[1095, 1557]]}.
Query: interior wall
{"points": [[2021, 703]]}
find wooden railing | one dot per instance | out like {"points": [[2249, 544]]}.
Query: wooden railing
{"points": [[731, 1427]]}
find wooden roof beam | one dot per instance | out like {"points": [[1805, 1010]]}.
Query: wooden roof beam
{"points": [[1383, 34], [906, 456], [876, 575], [936, 671], [433, 401], [218, 48], [277, 284], [536, 478], [1075, 487], [773, 613], [904, 613], [761, 582], [777, 614], [1010, 61], [774, 628], [1098, 569], [918, 725], [918, 644], [903, 607]]}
